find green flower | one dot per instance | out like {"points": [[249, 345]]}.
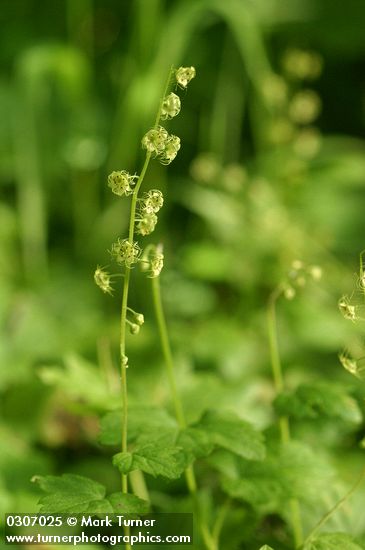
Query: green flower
{"points": [[121, 182]]}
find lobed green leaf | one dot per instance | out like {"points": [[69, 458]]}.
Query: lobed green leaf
{"points": [[227, 430], [155, 458], [72, 493], [77, 494]]}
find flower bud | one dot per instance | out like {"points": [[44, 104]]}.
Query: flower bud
{"points": [[301, 64], [305, 107], [289, 293], [139, 317], [315, 271], [134, 328]]}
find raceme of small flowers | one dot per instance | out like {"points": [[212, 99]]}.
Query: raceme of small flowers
{"points": [[163, 146], [298, 276]]}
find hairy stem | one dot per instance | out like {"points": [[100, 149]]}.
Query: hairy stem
{"points": [[279, 387], [209, 541]]}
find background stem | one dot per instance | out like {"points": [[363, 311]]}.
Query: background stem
{"points": [[209, 541], [279, 387]]}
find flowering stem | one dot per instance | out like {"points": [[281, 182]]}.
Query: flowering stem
{"points": [[279, 387], [124, 306], [123, 320], [209, 541], [275, 357]]}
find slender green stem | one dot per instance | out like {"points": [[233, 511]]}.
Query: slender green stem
{"points": [[209, 541], [279, 387], [124, 306], [166, 349], [138, 484], [337, 506], [275, 357], [220, 519]]}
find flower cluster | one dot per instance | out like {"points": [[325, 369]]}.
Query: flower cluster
{"points": [[125, 253], [149, 205], [102, 279], [302, 64], [184, 75], [161, 144], [121, 182], [136, 322], [298, 276]]}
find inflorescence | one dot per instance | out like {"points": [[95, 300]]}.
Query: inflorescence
{"points": [[162, 145]]}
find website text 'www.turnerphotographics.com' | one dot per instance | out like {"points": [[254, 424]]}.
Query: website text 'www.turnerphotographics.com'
{"points": [[111, 529]]}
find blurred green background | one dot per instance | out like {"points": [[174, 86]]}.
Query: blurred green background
{"points": [[271, 170]]}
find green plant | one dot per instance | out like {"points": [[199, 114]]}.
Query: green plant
{"points": [[249, 477], [156, 444]]}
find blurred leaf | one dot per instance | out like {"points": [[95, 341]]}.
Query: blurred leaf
{"points": [[128, 504], [319, 399], [208, 261], [333, 541], [195, 443], [141, 422], [80, 380], [66, 65], [294, 472], [187, 297], [6, 499], [19, 460], [208, 203]]}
